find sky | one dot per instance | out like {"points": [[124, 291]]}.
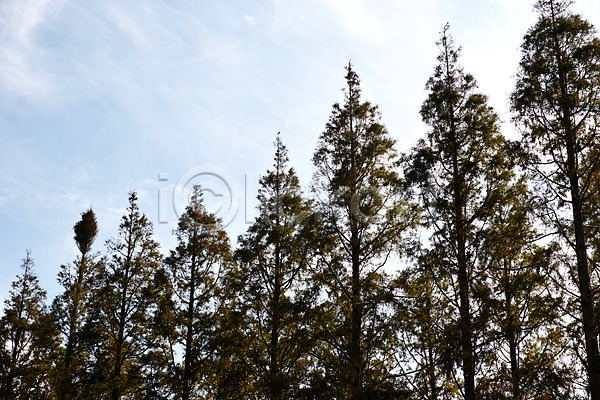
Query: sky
{"points": [[98, 98]]}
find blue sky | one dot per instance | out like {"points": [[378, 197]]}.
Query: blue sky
{"points": [[99, 97]]}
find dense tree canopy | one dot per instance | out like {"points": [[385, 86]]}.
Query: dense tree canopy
{"points": [[120, 308]]}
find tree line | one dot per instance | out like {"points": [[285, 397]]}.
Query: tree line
{"points": [[497, 296]]}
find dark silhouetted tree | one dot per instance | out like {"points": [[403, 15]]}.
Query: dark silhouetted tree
{"points": [[70, 309], [27, 337], [458, 172], [356, 186], [122, 306], [557, 103], [194, 269], [273, 257]]}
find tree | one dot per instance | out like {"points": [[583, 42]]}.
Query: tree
{"points": [[557, 103], [122, 305], [194, 269], [27, 334], [70, 309], [357, 191], [425, 344], [276, 299], [457, 172], [526, 316]]}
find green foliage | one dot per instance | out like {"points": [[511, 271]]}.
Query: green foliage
{"points": [[70, 310], [457, 173], [190, 307], [276, 297], [357, 191], [427, 339], [526, 321], [317, 303], [27, 334], [556, 101], [121, 306], [86, 231]]}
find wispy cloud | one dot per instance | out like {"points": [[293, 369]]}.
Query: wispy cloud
{"points": [[20, 21]]}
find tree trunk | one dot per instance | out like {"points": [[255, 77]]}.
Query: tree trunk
{"points": [[117, 388], [431, 369], [355, 344], [466, 329], [586, 299], [66, 390], [275, 391], [512, 341], [585, 291], [187, 363], [274, 385]]}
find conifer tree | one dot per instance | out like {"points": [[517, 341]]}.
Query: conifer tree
{"points": [[356, 188], [425, 346], [557, 103], [525, 330], [194, 271], [27, 337], [158, 371], [457, 171], [122, 307], [276, 300], [70, 309]]}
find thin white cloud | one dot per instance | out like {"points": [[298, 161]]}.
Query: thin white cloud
{"points": [[249, 20], [19, 24]]}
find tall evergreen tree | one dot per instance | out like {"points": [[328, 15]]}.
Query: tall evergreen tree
{"points": [[425, 346], [70, 309], [525, 327], [194, 269], [557, 102], [457, 171], [356, 187], [27, 338], [273, 257], [122, 306]]}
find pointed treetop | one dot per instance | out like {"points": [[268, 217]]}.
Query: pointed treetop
{"points": [[549, 8], [352, 89], [448, 70], [281, 157], [281, 177], [196, 203], [27, 283], [448, 49], [133, 209]]}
